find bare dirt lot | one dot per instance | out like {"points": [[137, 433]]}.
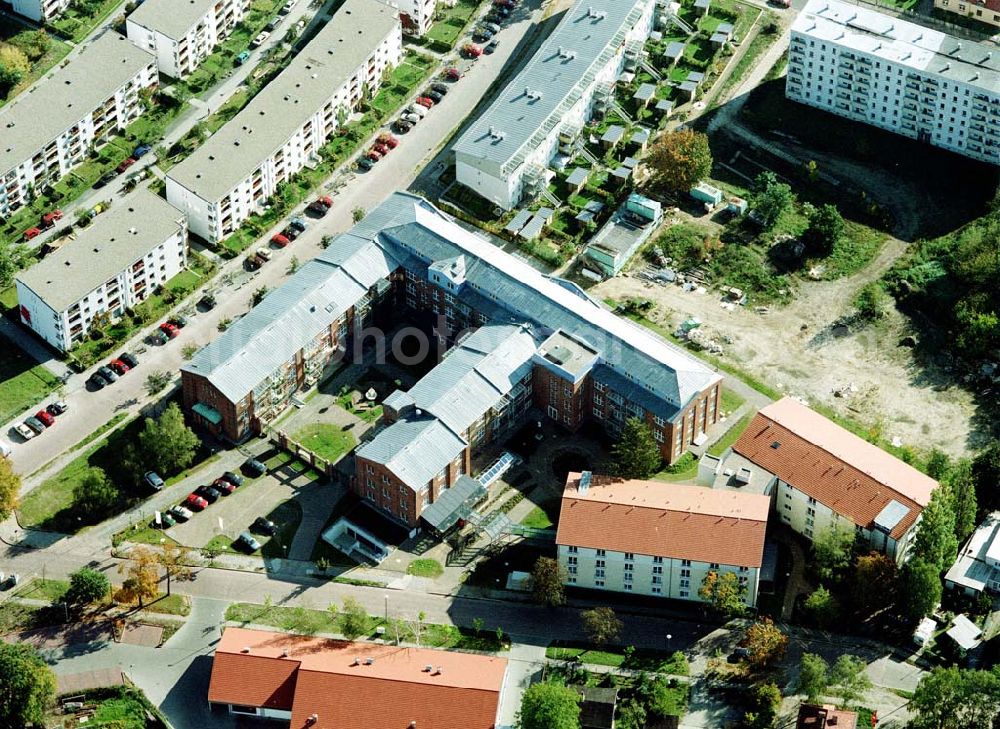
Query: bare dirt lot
{"points": [[793, 349]]}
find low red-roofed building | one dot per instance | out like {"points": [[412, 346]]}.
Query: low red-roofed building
{"points": [[814, 716], [317, 683], [655, 538], [826, 477]]}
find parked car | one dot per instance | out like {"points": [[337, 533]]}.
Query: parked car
{"points": [[107, 373], [166, 521], [129, 359], [47, 420], [418, 109], [318, 208], [24, 431], [157, 337], [51, 218], [326, 200], [424, 101], [247, 541], [195, 503], [242, 57], [452, 74], [287, 7], [291, 233], [492, 26], [207, 302], [470, 50], [491, 46], [433, 96], [388, 140], [208, 493], [97, 381], [411, 118], [481, 35], [126, 163], [272, 24], [169, 329], [373, 155], [264, 526], [264, 253], [259, 40], [253, 467], [5, 449], [223, 486], [279, 240], [299, 223], [105, 179], [153, 480], [141, 149], [181, 513], [35, 424], [31, 233], [402, 126], [382, 149], [178, 321], [233, 478], [57, 408], [439, 87], [119, 367]]}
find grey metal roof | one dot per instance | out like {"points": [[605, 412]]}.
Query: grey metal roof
{"points": [[534, 102], [534, 228], [114, 241], [236, 150], [644, 92], [577, 176], [613, 134], [414, 449], [54, 104], [964, 632], [675, 49], [719, 37], [290, 317], [476, 375], [891, 514], [172, 18], [664, 105], [518, 221], [726, 28], [972, 568], [454, 503]]}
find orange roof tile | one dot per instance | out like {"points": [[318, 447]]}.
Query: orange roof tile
{"points": [[336, 681], [678, 521], [837, 468], [827, 716]]}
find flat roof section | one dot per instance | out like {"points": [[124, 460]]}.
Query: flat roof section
{"points": [[54, 104], [567, 353], [172, 18]]}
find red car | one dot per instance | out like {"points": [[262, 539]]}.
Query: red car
{"points": [[223, 486], [50, 219], [125, 165], [46, 418], [388, 140], [470, 50], [453, 74], [504, 3], [31, 233], [373, 155], [326, 201], [279, 240], [425, 102], [380, 148], [169, 329], [118, 366], [195, 502]]}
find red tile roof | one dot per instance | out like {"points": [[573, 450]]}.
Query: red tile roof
{"points": [[837, 468], [672, 520], [335, 681], [813, 716]]}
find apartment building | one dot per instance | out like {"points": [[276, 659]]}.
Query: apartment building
{"points": [[923, 84], [304, 681], [231, 175], [985, 11], [977, 568], [823, 477], [651, 538], [181, 35], [41, 11], [504, 155], [51, 127], [416, 15], [112, 265]]}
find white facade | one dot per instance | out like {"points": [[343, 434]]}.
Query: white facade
{"points": [[40, 10], [506, 151], [643, 574], [977, 567], [416, 15], [179, 50], [914, 81], [48, 130], [232, 175]]}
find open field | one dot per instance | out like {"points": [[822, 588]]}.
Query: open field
{"points": [[23, 382]]}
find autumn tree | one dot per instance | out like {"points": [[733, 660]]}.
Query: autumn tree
{"points": [[167, 443], [636, 454], [549, 705], [142, 580], [547, 580], [724, 592], [14, 66], [601, 625], [27, 686], [765, 642], [677, 161], [175, 560], [10, 488], [873, 582]]}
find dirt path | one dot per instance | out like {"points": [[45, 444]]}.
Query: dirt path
{"points": [[794, 350]]}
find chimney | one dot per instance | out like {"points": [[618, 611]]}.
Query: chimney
{"points": [[369, 661], [246, 649], [437, 671]]}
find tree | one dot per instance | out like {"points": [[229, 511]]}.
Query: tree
{"points": [[354, 619], [765, 642], [962, 487], [358, 214], [293, 265], [601, 625], [258, 295], [954, 698], [10, 488], [168, 444], [921, 582], [873, 583], [826, 226], [724, 592], [14, 66], [823, 607], [636, 454], [764, 701], [13, 257], [547, 580], [87, 586], [142, 580], [935, 542], [677, 161], [770, 198], [188, 351], [986, 476], [848, 679], [813, 676], [832, 552], [156, 381], [938, 464], [871, 302], [94, 494], [174, 559], [549, 706], [29, 686]]}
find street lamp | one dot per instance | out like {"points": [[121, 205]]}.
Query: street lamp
{"points": [[668, 640]]}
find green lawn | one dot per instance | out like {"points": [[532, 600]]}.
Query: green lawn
{"points": [[142, 534], [425, 568], [56, 50], [444, 32], [684, 469], [118, 707], [172, 604], [731, 401], [44, 589], [675, 663], [326, 440], [735, 431], [537, 519], [23, 382], [75, 24]]}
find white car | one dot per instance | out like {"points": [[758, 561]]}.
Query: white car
{"points": [[24, 431], [259, 40], [5, 449], [287, 7], [264, 253], [181, 513], [417, 109], [412, 118]]}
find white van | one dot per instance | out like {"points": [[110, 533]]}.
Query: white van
{"points": [[5, 449]]}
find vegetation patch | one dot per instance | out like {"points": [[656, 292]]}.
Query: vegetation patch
{"points": [[23, 382], [326, 440], [425, 568]]}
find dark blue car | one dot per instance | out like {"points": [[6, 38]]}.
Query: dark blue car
{"points": [[141, 150]]}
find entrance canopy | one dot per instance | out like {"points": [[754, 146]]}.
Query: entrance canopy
{"points": [[454, 504]]}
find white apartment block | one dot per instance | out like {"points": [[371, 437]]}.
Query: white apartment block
{"points": [[117, 262], [504, 155], [822, 477], [182, 34], [417, 15], [650, 538], [51, 127], [281, 130], [874, 68], [41, 11]]}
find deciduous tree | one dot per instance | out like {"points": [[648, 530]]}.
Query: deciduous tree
{"points": [[921, 583], [823, 607], [549, 706], [547, 580], [764, 704], [94, 494], [354, 619], [636, 454], [168, 444], [962, 485], [765, 642], [873, 583], [142, 578], [826, 226], [10, 488], [14, 66], [724, 592], [935, 542], [601, 625], [770, 198], [814, 676], [986, 476], [27, 686], [87, 586], [175, 560], [677, 161], [953, 698], [848, 679], [832, 552]]}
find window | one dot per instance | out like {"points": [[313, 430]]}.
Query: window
{"points": [[658, 569], [600, 553], [788, 507], [713, 565], [657, 560], [811, 511], [572, 580], [598, 583], [628, 577], [628, 567], [683, 593], [685, 563], [572, 550], [599, 574], [571, 560], [599, 563], [744, 569], [627, 587], [685, 583], [685, 573], [812, 501], [657, 579], [657, 590], [571, 569], [629, 557]]}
